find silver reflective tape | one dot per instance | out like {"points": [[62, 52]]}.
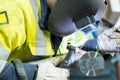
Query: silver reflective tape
{"points": [[3, 57], [4, 54], [34, 4], [2, 64], [41, 50], [40, 39]]}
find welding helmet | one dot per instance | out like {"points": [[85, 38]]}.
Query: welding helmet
{"points": [[67, 16]]}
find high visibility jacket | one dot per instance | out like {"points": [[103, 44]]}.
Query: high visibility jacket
{"points": [[20, 33]]}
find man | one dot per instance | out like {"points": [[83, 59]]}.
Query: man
{"points": [[22, 38]]}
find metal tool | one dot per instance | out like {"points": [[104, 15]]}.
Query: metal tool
{"points": [[91, 63], [66, 62]]}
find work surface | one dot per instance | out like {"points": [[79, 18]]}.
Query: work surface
{"points": [[107, 74]]}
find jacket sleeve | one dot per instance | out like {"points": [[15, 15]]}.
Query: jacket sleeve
{"points": [[9, 71]]}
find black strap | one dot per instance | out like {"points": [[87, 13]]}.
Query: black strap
{"points": [[45, 11], [20, 69], [56, 41]]}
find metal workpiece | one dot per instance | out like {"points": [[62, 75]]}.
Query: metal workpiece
{"points": [[72, 57], [91, 63]]}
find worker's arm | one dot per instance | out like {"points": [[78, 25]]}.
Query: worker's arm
{"points": [[45, 69], [10, 72]]}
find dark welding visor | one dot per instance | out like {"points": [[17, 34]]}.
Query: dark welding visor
{"points": [[68, 16]]}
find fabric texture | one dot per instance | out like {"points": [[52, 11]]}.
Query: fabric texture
{"points": [[9, 72]]}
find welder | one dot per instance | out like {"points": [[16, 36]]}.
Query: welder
{"points": [[35, 28]]}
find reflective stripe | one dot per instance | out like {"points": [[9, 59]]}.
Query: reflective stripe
{"points": [[49, 49], [79, 38], [76, 39], [2, 64], [40, 39], [4, 54]]}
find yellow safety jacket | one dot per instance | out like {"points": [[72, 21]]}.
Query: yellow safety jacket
{"points": [[20, 35]]}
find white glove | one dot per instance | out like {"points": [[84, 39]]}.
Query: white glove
{"points": [[47, 70], [109, 40]]}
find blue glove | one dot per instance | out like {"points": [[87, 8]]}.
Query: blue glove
{"points": [[90, 45]]}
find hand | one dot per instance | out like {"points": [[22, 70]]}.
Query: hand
{"points": [[47, 70], [109, 40]]}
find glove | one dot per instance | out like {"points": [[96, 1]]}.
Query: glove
{"points": [[109, 40], [47, 70]]}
